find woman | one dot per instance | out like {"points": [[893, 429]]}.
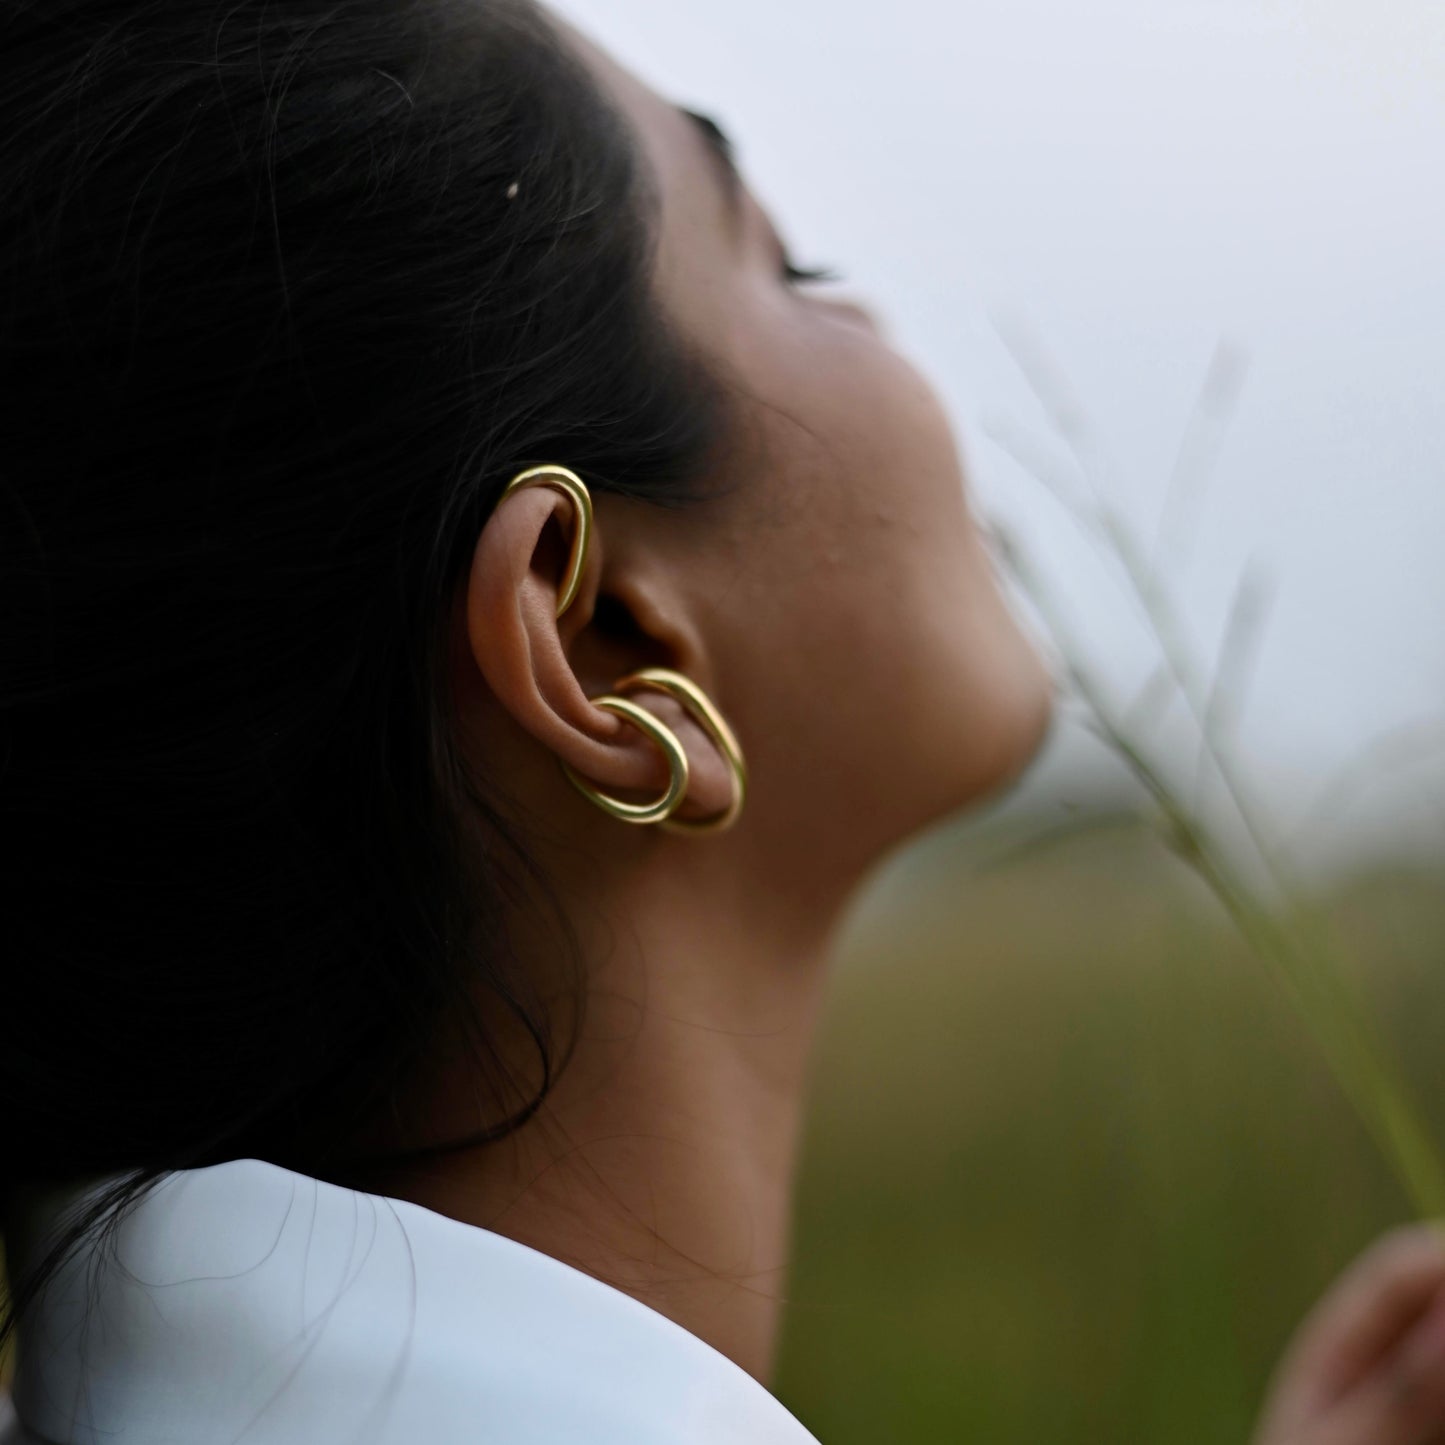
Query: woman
{"points": [[405, 402]]}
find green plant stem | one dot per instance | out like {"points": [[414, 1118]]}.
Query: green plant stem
{"points": [[1302, 961]]}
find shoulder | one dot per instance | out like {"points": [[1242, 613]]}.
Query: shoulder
{"points": [[297, 1311]]}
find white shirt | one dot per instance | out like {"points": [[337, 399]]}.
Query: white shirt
{"points": [[248, 1305]]}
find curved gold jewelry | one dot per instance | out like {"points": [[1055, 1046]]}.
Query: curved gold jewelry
{"points": [[697, 702], [672, 750], [575, 489]]}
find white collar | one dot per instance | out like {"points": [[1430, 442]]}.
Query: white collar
{"points": [[250, 1305]]}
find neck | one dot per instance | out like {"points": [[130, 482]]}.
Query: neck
{"points": [[663, 1159]]}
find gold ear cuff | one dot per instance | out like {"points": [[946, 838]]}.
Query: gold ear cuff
{"points": [[672, 750], [697, 703], [559, 479], [712, 722]]}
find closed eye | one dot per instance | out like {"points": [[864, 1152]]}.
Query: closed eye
{"points": [[796, 275]]}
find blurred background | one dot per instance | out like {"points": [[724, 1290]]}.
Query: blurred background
{"points": [[1074, 1167]]}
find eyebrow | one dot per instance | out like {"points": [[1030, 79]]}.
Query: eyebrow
{"points": [[724, 154]]}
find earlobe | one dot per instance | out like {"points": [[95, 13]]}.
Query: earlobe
{"points": [[696, 703], [667, 743]]}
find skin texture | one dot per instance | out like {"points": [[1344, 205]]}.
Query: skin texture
{"points": [[838, 607]]}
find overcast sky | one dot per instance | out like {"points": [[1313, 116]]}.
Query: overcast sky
{"points": [[1134, 185]]}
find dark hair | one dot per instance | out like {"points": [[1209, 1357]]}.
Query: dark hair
{"points": [[289, 293]]}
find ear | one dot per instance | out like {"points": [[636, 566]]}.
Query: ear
{"points": [[628, 613]]}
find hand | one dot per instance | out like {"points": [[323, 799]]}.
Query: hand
{"points": [[1367, 1366]]}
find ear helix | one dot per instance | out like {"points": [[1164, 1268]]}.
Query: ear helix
{"points": [[559, 479], [677, 686]]}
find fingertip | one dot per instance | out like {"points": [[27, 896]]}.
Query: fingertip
{"points": [[1424, 1349]]}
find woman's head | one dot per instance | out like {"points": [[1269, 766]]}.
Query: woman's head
{"points": [[289, 294], [837, 592], [831, 593]]}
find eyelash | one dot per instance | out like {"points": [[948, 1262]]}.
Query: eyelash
{"points": [[803, 275]]}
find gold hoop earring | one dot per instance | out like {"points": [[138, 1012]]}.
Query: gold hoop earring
{"points": [[575, 490], [712, 722], [671, 748]]}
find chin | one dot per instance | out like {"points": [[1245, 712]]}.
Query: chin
{"points": [[1007, 733], [1031, 731]]}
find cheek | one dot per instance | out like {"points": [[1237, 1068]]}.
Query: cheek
{"points": [[894, 456], [878, 481], [915, 692]]}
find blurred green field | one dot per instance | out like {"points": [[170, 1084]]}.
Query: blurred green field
{"points": [[1073, 1169]]}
